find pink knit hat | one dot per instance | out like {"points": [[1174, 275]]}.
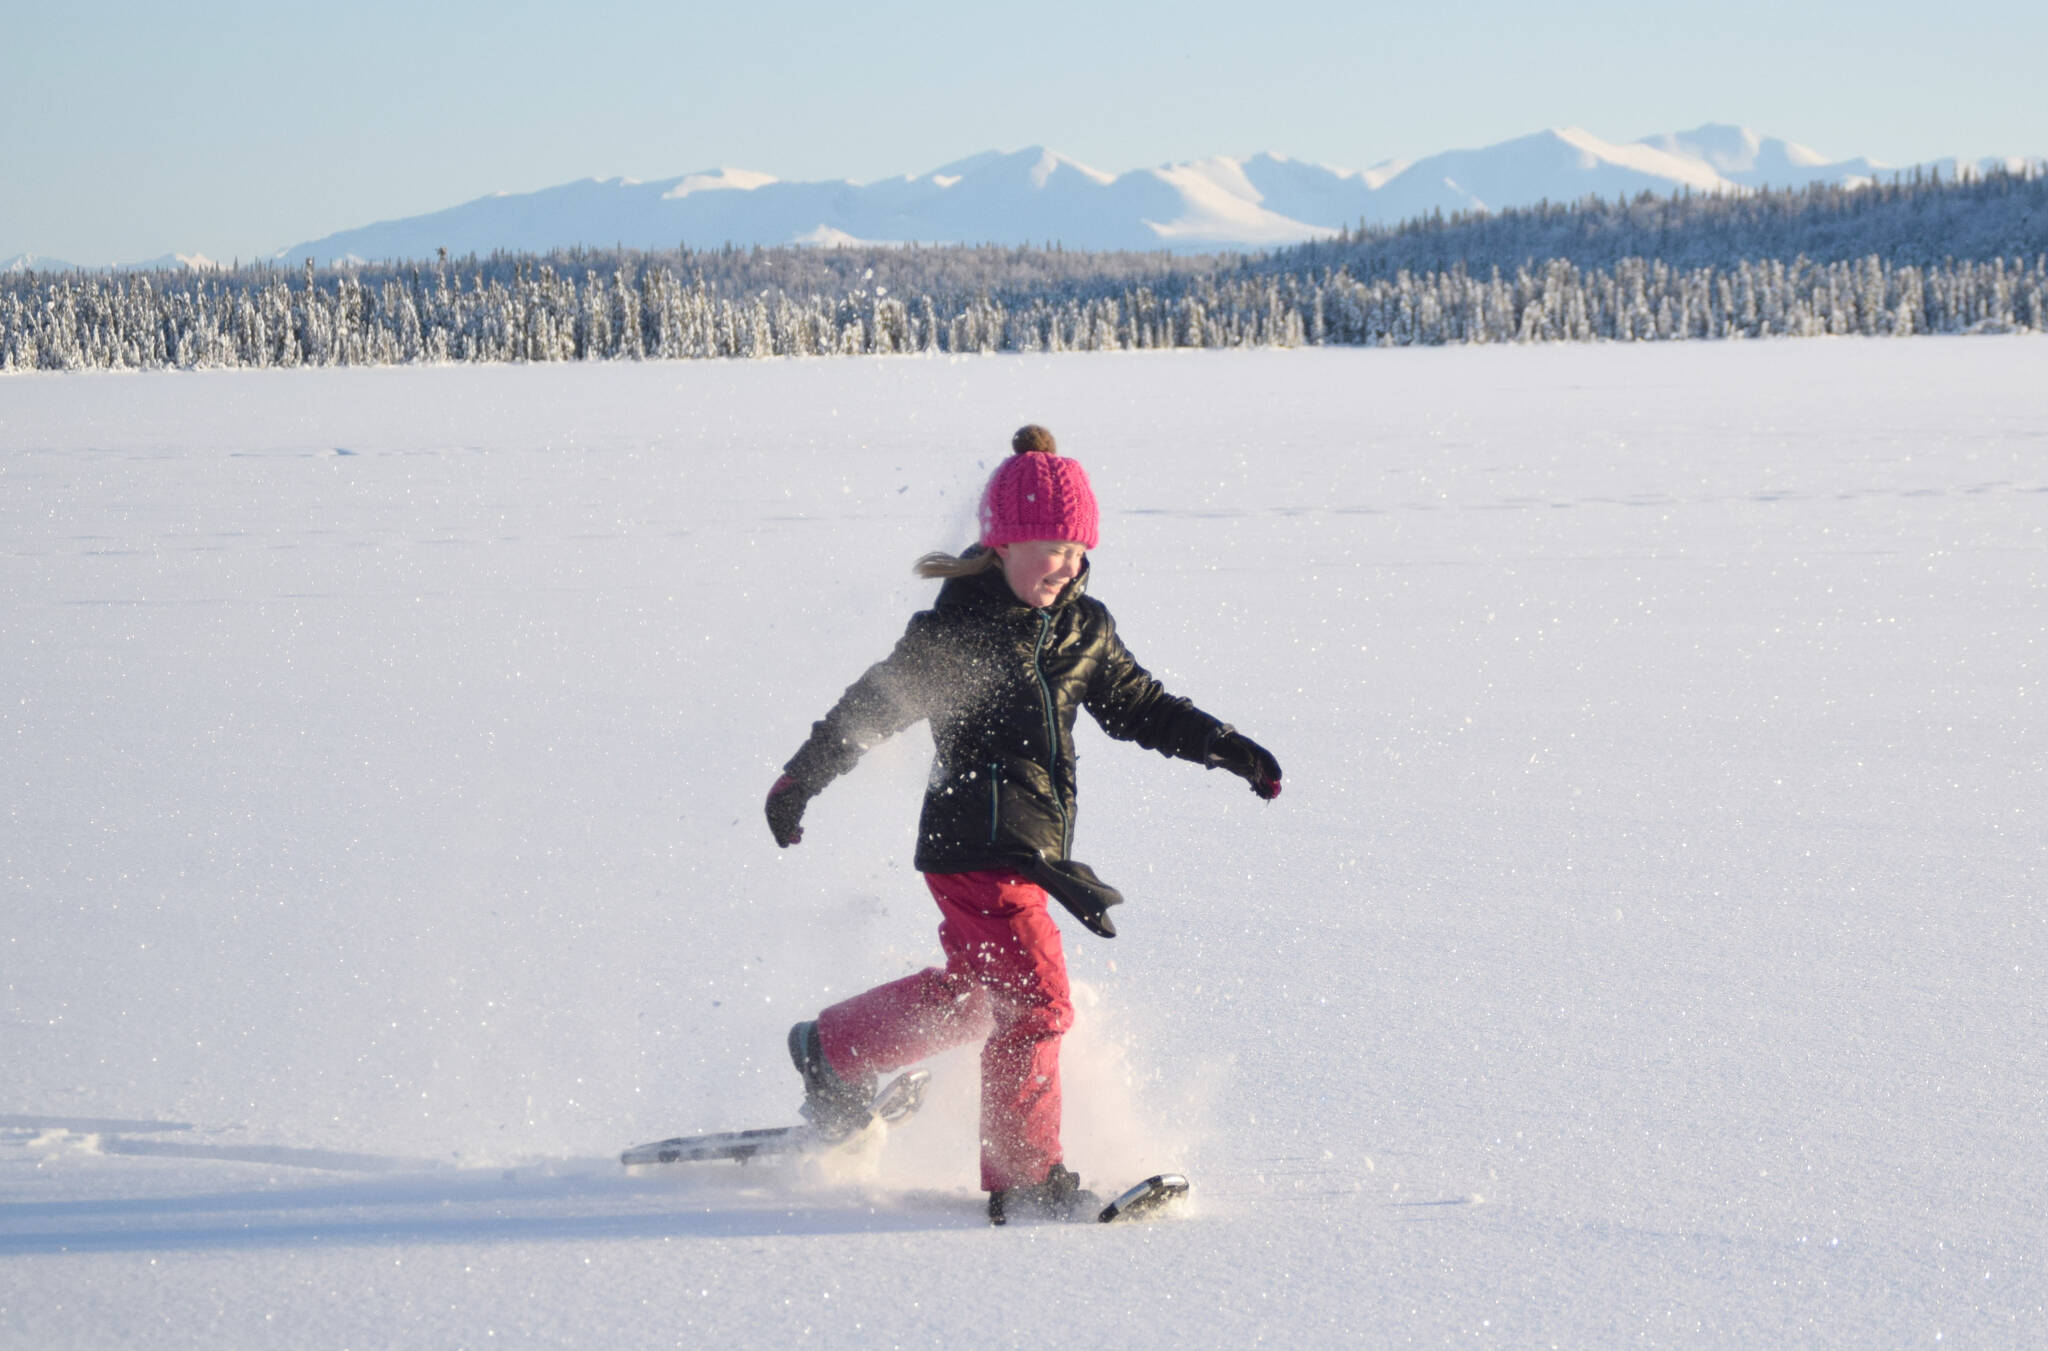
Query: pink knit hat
{"points": [[1038, 494]]}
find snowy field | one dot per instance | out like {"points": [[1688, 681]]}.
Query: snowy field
{"points": [[1649, 947]]}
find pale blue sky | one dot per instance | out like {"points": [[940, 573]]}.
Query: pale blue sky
{"points": [[129, 130]]}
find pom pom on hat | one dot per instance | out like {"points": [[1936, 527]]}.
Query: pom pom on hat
{"points": [[1038, 494], [1032, 439]]}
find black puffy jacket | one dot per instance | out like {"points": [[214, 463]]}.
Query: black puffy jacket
{"points": [[1000, 683]]}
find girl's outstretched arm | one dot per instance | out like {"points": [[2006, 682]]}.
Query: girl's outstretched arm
{"points": [[1132, 705], [892, 694]]}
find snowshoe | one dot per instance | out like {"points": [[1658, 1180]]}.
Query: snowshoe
{"points": [[1145, 1199], [899, 1099]]}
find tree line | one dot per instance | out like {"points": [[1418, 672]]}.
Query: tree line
{"points": [[1919, 218], [1469, 287]]}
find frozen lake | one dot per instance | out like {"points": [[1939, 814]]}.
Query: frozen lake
{"points": [[1648, 948]]}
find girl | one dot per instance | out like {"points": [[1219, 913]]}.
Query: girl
{"points": [[999, 665]]}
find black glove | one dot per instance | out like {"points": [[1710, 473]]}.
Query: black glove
{"points": [[1231, 749], [1076, 886], [786, 803]]}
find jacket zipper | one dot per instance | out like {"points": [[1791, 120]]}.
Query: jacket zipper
{"points": [[1052, 736]]}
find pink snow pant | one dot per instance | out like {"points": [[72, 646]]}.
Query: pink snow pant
{"points": [[1005, 980]]}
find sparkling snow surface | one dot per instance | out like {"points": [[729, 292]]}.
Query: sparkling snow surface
{"points": [[1649, 947]]}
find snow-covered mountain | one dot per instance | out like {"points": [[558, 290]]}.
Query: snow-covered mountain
{"points": [[1039, 195], [36, 262]]}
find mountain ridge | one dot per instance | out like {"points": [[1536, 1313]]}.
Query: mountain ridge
{"points": [[1036, 195]]}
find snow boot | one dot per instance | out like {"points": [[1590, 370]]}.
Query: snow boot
{"points": [[1059, 1197], [836, 1107]]}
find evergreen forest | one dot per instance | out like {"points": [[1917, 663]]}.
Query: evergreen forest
{"points": [[1915, 255]]}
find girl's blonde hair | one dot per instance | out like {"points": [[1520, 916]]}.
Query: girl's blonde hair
{"points": [[939, 564]]}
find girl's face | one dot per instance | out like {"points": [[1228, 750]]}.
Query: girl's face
{"points": [[1039, 569]]}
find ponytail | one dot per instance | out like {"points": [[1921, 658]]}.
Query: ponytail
{"points": [[939, 564]]}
